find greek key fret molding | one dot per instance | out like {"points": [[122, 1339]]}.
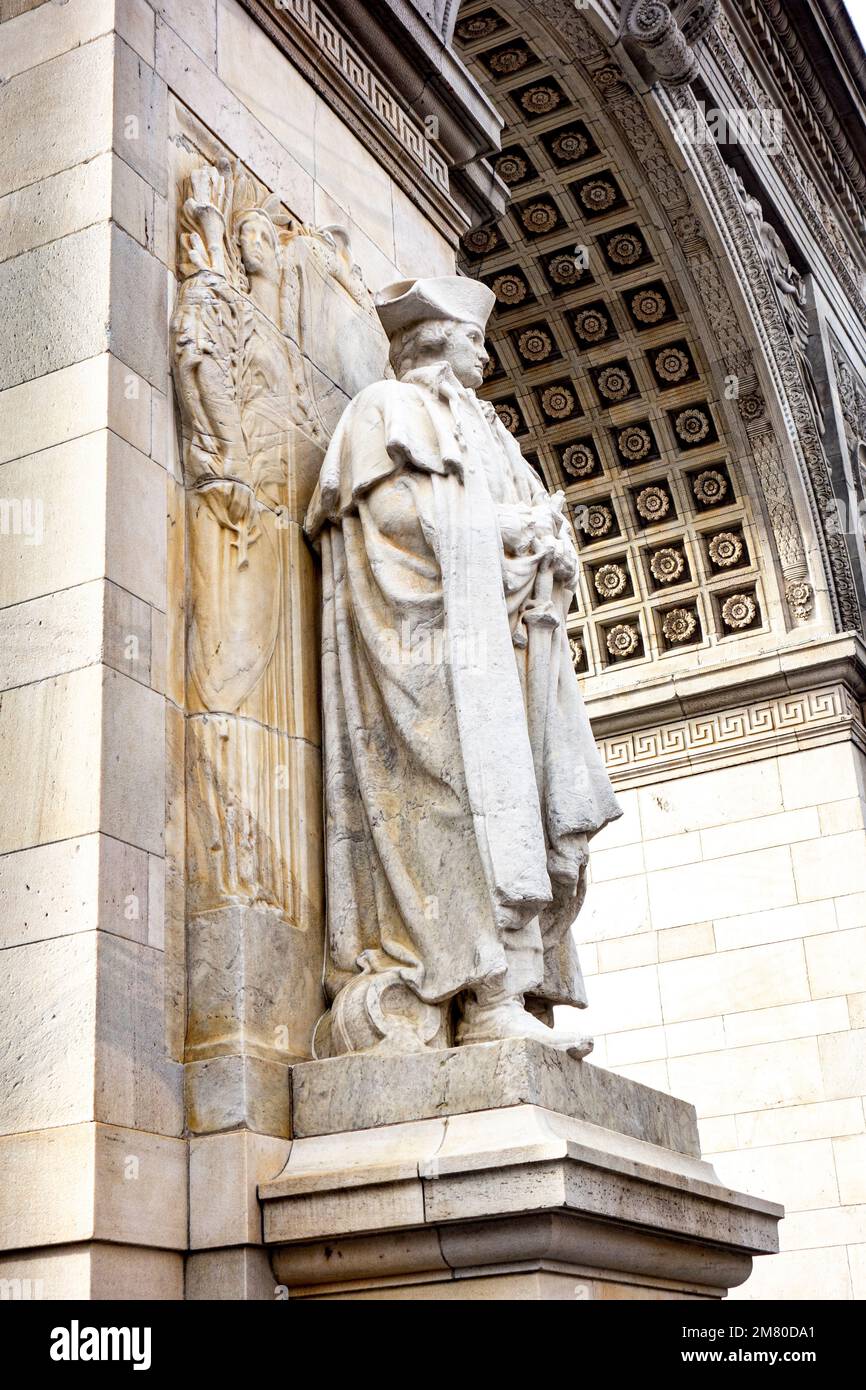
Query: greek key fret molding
{"points": [[340, 53], [450, 130], [762, 728]]}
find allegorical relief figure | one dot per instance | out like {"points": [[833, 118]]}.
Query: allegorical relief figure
{"points": [[254, 439], [462, 783], [790, 290]]}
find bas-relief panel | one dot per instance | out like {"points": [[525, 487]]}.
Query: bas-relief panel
{"points": [[272, 331]]}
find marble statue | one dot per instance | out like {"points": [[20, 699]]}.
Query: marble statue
{"points": [[462, 783]]}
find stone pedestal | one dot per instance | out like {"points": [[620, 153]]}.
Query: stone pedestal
{"points": [[504, 1171]]}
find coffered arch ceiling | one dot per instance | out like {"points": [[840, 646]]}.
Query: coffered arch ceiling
{"points": [[627, 388]]}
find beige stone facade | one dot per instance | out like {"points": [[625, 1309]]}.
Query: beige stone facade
{"points": [[737, 983], [145, 1111]]}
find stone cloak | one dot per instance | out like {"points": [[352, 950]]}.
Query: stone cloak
{"points": [[452, 855]]}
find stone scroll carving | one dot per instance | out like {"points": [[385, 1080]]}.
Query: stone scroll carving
{"points": [[666, 33], [257, 293]]}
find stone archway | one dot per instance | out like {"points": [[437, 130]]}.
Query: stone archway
{"points": [[642, 357]]}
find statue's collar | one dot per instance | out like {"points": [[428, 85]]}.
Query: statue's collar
{"points": [[439, 378]]}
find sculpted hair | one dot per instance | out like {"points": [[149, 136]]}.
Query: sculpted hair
{"points": [[419, 340]]}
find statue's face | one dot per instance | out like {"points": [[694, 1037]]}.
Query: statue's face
{"points": [[258, 252], [465, 353]]}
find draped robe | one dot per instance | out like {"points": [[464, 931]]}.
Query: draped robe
{"points": [[461, 777]]}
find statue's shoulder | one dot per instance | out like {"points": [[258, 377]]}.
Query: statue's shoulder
{"points": [[383, 393]]}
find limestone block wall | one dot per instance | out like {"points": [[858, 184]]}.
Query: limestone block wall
{"points": [[724, 937], [93, 1145]]}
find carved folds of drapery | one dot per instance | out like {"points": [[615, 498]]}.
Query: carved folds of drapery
{"points": [[667, 33], [256, 418]]}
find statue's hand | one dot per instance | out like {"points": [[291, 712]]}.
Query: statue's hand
{"points": [[234, 506], [516, 529], [553, 541], [565, 561]]}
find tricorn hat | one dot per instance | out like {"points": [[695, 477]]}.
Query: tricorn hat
{"points": [[443, 297]]}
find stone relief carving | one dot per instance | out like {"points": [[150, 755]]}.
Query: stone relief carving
{"points": [[627, 111], [790, 291], [462, 782], [852, 397], [667, 33], [851, 451], [817, 214], [256, 291], [771, 25], [782, 326], [253, 437]]}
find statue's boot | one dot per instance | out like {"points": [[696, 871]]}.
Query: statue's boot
{"points": [[507, 1018]]}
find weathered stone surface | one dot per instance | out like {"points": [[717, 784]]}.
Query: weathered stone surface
{"points": [[237, 1273], [224, 1173], [254, 985], [64, 287], [140, 116], [89, 1043], [235, 1092], [346, 1093], [57, 114], [94, 1271], [77, 627], [135, 522], [190, 79], [92, 1181], [73, 886], [136, 1084], [54, 207], [53, 409], [138, 308], [133, 783], [55, 789], [515, 1185]]}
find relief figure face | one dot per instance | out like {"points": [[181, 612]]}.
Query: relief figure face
{"points": [[258, 248]]}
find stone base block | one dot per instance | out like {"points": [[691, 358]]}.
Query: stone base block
{"points": [[91, 1271], [237, 1274], [544, 1178], [226, 1093]]}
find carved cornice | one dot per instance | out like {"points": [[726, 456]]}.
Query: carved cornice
{"points": [[770, 22], [390, 76], [723, 45], [763, 728], [816, 698]]}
